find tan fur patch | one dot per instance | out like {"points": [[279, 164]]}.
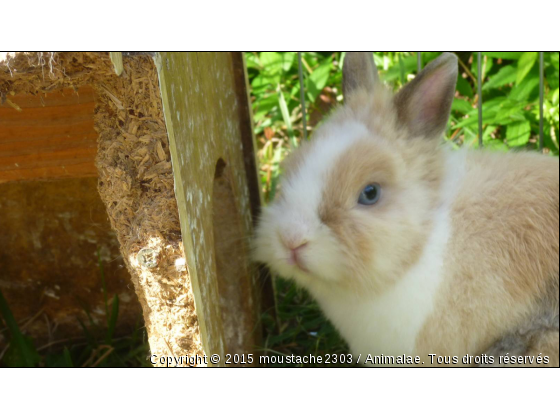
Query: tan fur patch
{"points": [[367, 232], [362, 164], [376, 110], [503, 257]]}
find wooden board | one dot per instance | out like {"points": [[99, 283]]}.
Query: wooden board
{"points": [[48, 135], [212, 148]]}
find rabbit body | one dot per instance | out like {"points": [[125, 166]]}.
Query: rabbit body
{"points": [[461, 247]]}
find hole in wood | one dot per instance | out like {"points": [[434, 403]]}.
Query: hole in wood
{"points": [[232, 269]]}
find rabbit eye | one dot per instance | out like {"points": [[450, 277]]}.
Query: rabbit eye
{"points": [[370, 194]]}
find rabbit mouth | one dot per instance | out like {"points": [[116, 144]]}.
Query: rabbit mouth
{"points": [[295, 259], [299, 265]]}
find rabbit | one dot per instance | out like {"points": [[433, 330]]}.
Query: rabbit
{"points": [[409, 247]]}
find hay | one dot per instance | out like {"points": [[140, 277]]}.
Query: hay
{"points": [[135, 180]]}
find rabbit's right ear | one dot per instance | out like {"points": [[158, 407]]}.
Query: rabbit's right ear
{"points": [[358, 72]]}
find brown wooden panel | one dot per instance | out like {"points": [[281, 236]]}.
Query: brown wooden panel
{"points": [[48, 135]]}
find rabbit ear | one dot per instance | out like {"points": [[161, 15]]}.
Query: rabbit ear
{"points": [[424, 104], [358, 71]]}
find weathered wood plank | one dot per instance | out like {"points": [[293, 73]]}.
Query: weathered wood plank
{"points": [[48, 136], [212, 148]]}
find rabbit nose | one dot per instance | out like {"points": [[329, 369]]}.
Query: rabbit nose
{"points": [[293, 243], [295, 257], [295, 249]]}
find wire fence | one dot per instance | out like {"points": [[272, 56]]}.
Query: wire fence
{"points": [[479, 94]]}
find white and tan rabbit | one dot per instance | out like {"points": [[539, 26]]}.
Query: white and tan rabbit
{"points": [[411, 248]]}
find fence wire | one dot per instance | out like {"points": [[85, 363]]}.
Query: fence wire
{"points": [[302, 96], [479, 92], [541, 101], [479, 88]]}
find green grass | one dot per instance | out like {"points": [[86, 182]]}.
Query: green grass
{"points": [[299, 327], [98, 347], [510, 100]]}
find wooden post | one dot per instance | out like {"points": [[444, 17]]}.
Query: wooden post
{"points": [[212, 148]]}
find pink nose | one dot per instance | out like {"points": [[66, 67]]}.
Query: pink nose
{"points": [[292, 243], [296, 248], [295, 255]]}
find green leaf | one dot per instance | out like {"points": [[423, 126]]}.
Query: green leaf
{"points": [[271, 61], [264, 81], [509, 111], [377, 59], [288, 59], [494, 111], [506, 55], [486, 134], [266, 105], [552, 77], [89, 337], [112, 321], [252, 61], [525, 64], [554, 58], [494, 144], [67, 357], [22, 352], [464, 87], [505, 76], [63, 359], [317, 80], [103, 285], [470, 120], [461, 106], [402, 69], [523, 91], [408, 64], [286, 116], [518, 134]]}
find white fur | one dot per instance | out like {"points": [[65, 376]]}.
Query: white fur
{"points": [[295, 217], [304, 190]]}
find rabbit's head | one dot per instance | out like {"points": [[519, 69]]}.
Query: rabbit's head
{"points": [[356, 202]]}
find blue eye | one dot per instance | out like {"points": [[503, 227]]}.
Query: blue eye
{"points": [[370, 194]]}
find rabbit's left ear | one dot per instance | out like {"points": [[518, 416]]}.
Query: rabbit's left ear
{"points": [[424, 104], [358, 71]]}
